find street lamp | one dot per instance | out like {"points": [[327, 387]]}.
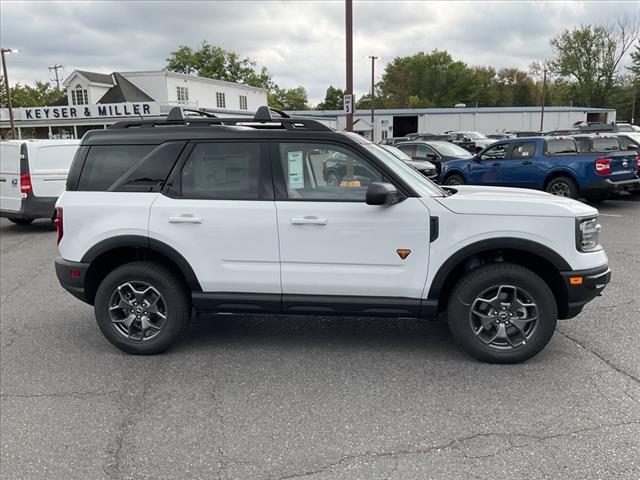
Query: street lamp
{"points": [[6, 86]]}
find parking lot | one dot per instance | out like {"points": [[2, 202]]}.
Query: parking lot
{"points": [[315, 398]]}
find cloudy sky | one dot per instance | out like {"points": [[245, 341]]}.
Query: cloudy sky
{"points": [[301, 43]]}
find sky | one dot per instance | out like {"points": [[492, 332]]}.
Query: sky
{"points": [[300, 42]]}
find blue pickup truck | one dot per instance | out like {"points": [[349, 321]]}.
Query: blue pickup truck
{"points": [[552, 164]]}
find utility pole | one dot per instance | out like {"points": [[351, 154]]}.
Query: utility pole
{"points": [[544, 91], [56, 78], [8, 90], [349, 34], [373, 121], [633, 102]]}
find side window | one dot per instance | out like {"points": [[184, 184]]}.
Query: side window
{"points": [[408, 149], [523, 150], [105, 164], [320, 172], [222, 171], [422, 151], [497, 152]]}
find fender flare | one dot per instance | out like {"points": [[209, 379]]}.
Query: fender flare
{"points": [[139, 241], [509, 243]]}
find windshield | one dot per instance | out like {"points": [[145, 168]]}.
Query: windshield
{"points": [[419, 182], [396, 152], [450, 150], [476, 136]]}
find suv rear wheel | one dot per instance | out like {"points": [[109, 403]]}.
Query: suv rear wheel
{"points": [[142, 307], [502, 313]]}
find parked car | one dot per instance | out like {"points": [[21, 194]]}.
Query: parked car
{"points": [[334, 168], [597, 143], [32, 176], [392, 140], [435, 152], [200, 215], [425, 167], [552, 164], [471, 141]]}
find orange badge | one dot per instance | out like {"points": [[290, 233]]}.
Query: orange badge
{"points": [[403, 252]]}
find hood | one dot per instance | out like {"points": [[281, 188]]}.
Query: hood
{"points": [[481, 200]]}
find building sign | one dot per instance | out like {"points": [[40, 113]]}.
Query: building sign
{"points": [[74, 112]]}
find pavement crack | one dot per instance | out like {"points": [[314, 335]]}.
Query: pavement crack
{"points": [[455, 444], [91, 393], [601, 357]]}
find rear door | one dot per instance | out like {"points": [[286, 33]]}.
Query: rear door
{"points": [[332, 244], [10, 198], [218, 213], [519, 168], [49, 166]]}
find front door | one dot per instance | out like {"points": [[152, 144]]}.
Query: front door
{"points": [[519, 168], [487, 169], [334, 245], [218, 215]]}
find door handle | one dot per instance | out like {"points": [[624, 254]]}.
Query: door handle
{"points": [[528, 162], [309, 221], [185, 219], [2, 179]]}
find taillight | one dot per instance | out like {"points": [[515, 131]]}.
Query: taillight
{"points": [[603, 166], [25, 183], [638, 162], [58, 223]]}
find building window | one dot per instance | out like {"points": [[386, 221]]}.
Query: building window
{"points": [[79, 96], [243, 102], [220, 101], [183, 94]]}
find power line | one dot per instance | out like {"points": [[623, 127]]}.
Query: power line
{"points": [[56, 78]]}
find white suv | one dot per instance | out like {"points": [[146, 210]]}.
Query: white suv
{"points": [[169, 216]]}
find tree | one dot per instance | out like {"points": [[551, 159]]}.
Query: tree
{"points": [[289, 99], [427, 80], [589, 57], [332, 99], [210, 61], [41, 93]]}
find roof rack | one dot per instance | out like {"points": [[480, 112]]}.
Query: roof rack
{"points": [[262, 119]]}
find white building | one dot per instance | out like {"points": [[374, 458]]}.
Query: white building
{"points": [[97, 100], [487, 120]]}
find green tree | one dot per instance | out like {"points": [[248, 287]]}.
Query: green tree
{"points": [[427, 80], [36, 95], [332, 99], [589, 58], [289, 99], [515, 88], [210, 61]]}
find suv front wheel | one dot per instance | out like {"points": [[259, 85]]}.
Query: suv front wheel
{"points": [[502, 313], [142, 307]]}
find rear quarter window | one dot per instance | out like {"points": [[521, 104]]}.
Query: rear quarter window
{"points": [[608, 144], [558, 146], [104, 165]]}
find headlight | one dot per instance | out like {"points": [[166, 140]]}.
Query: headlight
{"points": [[587, 233]]}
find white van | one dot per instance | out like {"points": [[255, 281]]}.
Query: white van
{"points": [[33, 174]]}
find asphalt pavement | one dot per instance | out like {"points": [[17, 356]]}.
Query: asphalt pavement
{"points": [[316, 398]]}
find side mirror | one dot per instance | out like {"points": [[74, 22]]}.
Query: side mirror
{"points": [[431, 156], [476, 157], [380, 193]]}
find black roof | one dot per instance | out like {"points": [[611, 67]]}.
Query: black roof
{"points": [[124, 91], [176, 126], [96, 77]]}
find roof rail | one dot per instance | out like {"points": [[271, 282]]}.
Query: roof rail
{"points": [[262, 119]]}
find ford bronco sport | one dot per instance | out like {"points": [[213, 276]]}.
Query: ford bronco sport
{"points": [[169, 216]]}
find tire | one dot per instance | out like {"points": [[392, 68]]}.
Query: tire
{"points": [[22, 221], [333, 179], [526, 340], [454, 179], [563, 187], [172, 301]]}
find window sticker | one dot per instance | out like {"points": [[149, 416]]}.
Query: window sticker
{"points": [[296, 176]]}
